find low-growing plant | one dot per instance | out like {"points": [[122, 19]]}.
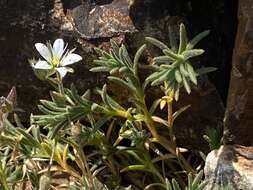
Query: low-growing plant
{"points": [[104, 144]]}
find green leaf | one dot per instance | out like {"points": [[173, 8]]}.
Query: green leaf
{"points": [[123, 69], [178, 76], [114, 71], [163, 59], [168, 184], [156, 43], [155, 75], [122, 82], [205, 70], [186, 85], [196, 39], [173, 40], [183, 70], [183, 39], [104, 96], [154, 106], [171, 54], [100, 69], [192, 53], [123, 58], [178, 112], [58, 98], [114, 46], [47, 111], [126, 56], [102, 53], [102, 62], [190, 179], [192, 73], [203, 185], [97, 108], [197, 180], [135, 168], [175, 185], [137, 57], [31, 140], [161, 79], [86, 95], [176, 96], [52, 106]]}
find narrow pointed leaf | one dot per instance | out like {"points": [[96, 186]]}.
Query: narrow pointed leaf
{"points": [[176, 95], [178, 112], [186, 85], [171, 54], [183, 39], [192, 73], [192, 53], [178, 76], [122, 82], [197, 180], [175, 185], [156, 43], [205, 70], [173, 40], [163, 59], [100, 69], [196, 39], [137, 57], [183, 69]]}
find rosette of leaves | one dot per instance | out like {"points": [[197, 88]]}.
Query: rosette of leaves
{"points": [[174, 68], [121, 68]]}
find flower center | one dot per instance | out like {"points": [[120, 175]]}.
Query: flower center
{"points": [[55, 61]]}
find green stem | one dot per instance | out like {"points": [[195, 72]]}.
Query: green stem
{"points": [[170, 121], [170, 146], [60, 83]]}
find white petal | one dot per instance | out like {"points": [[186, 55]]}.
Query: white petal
{"points": [[62, 71], [44, 51], [58, 47], [70, 59], [42, 65]]}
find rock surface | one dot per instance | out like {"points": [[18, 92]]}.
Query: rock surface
{"points": [[238, 118], [230, 166], [103, 21]]}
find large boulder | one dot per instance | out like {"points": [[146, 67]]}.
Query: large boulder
{"points": [[238, 118], [231, 167]]}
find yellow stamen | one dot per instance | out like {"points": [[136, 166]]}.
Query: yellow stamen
{"points": [[55, 61]]}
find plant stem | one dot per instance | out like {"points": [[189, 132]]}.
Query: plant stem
{"points": [[60, 84], [170, 120], [170, 146]]}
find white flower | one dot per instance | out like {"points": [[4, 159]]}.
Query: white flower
{"points": [[56, 57]]}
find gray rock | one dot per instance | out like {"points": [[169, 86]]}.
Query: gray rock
{"points": [[231, 167], [102, 21]]}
